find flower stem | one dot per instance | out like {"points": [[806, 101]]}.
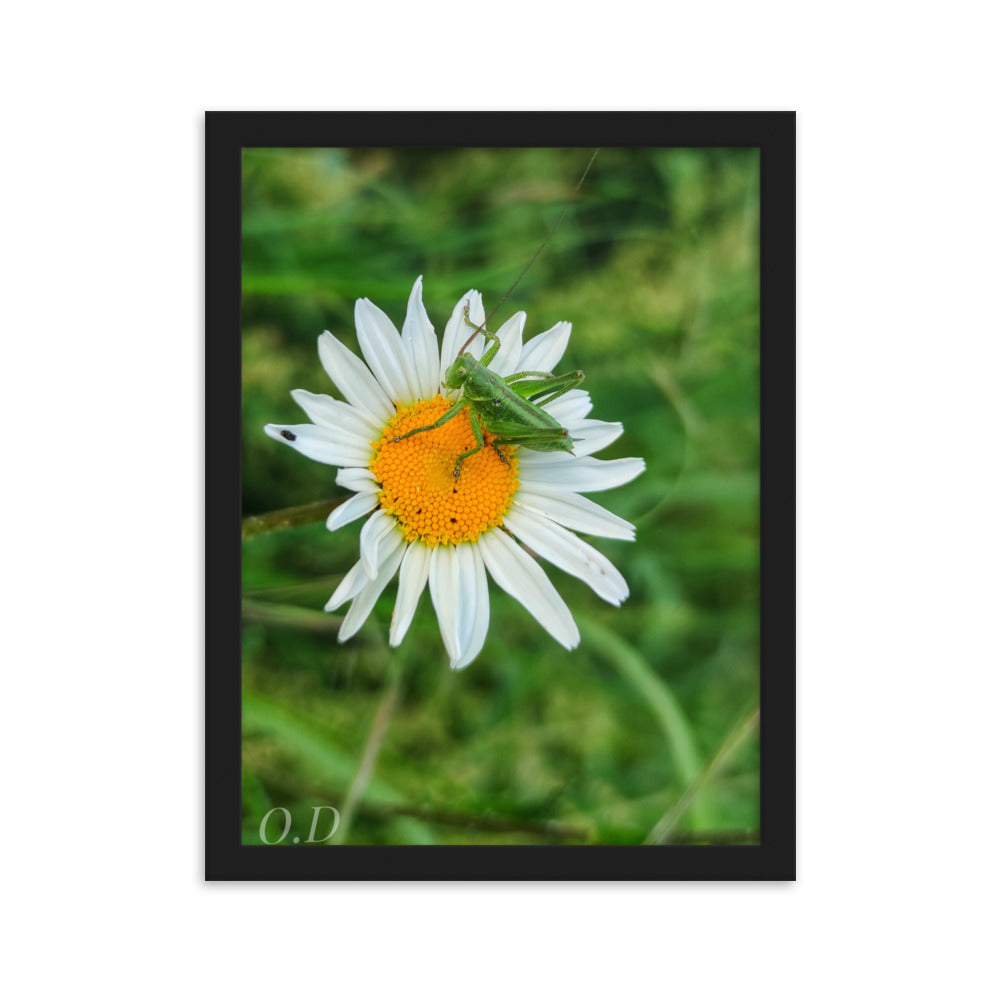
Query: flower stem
{"points": [[289, 517], [290, 616]]}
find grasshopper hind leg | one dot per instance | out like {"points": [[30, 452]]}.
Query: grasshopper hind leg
{"points": [[477, 432]]}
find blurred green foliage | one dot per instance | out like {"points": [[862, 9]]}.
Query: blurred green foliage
{"points": [[656, 265]]}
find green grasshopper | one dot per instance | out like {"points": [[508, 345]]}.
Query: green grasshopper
{"points": [[509, 408]]}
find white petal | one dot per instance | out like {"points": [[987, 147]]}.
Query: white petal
{"points": [[359, 480], [575, 512], [480, 597], [338, 415], [465, 617], [544, 460], [520, 576], [354, 579], [563, 549], [383, 350], [361, 608], [354, 380], [505, 362], [443, 576], [457, 331], [412, 580], [378, 527], [351, 509], [593, 435], [570, 406], [318, 443], [544, 352], [418, 336], [576, 475]]}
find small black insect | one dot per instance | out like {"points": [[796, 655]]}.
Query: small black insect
{"points": [[288, 435]]}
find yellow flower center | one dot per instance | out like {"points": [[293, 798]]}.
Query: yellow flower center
{"points": [[417, 476]]}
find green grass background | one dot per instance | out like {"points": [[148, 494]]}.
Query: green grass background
{"points": [[656, 265]]}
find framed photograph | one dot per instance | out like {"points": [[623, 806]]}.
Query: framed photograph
{"points": [[500, 431]]}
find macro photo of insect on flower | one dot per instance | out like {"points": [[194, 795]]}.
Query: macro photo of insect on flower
{"points": [[500, 481]]}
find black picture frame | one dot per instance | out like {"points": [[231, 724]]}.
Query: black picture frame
{"points": [[227, 133]]}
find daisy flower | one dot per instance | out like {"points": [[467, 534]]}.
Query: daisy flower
{"points": [[507, 505]]}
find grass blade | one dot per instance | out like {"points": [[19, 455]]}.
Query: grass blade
{"points": [[734, 738], [657, 695]]}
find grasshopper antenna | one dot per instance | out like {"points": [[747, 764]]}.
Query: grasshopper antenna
{"points": [[534, 256]]}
